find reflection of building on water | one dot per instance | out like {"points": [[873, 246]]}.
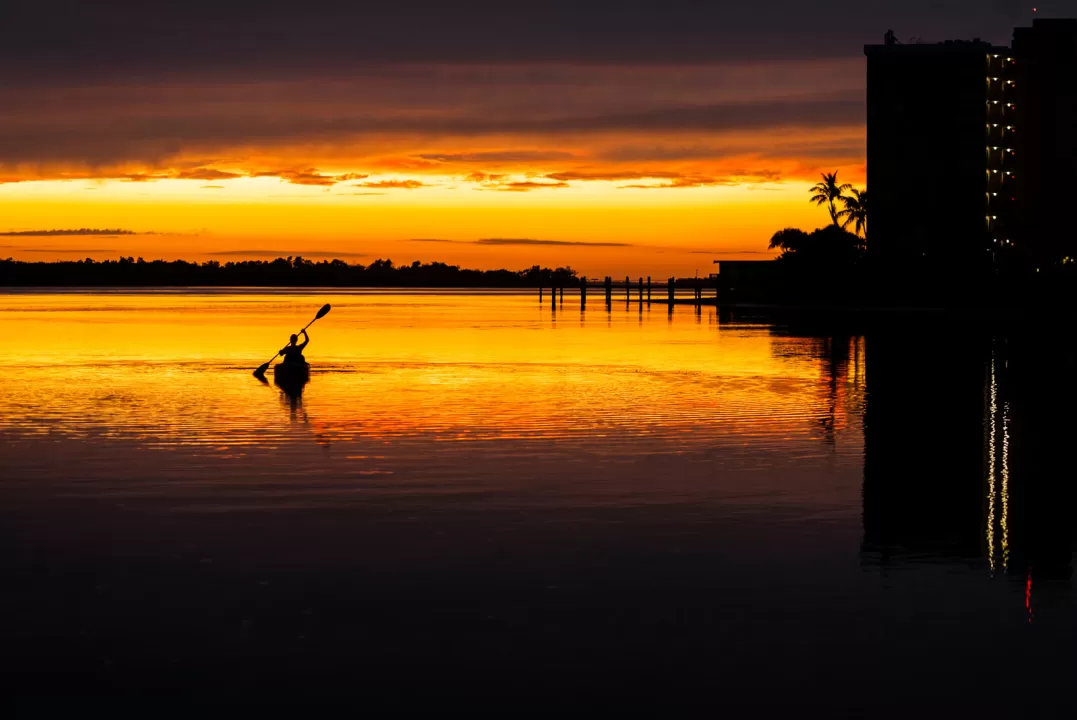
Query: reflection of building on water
{"points": [[966, 450], [1031, 397], [923, 441]]}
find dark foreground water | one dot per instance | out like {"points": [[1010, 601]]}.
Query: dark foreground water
{"points": [[483, 503]]}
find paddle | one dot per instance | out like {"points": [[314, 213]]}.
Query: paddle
{"points": [[261, 371]]}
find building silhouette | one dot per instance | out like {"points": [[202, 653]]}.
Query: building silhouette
{"points": [[923, 492], [1044, 91], [971, 150]]}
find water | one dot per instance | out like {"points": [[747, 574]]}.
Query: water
{"points": [[481, 501]]}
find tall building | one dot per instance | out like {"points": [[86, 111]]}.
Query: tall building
{"points": [[1044, 74], [931, 112], [971, 150]]}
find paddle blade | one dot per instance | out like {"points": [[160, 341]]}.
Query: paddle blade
{"points": [[260, 373], [323, 312]]}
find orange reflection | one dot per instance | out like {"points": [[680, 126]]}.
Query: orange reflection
{"points": [[418, 374]]}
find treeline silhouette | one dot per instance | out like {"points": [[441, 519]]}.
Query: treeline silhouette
{"points": [[290, 271]]}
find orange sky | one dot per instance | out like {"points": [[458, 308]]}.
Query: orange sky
{"points": [[641, 137], [607, 169]]}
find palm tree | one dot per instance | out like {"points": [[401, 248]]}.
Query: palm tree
{"points": [[829, 192], [856, 211]]}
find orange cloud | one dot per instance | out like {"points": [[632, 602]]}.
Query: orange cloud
{"points": [[401, 184], [613, 175], [734, 178], [310, 176], [502, 156], [479, 177], [204, 173], [528, 185]]}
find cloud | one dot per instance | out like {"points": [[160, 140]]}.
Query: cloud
{"points": [[840, 109], [661, 153], [310, 176], [134, 40], [400, 184], [212, 187], [75, 232], [362, 193], [529, 241], [528, 185], [757, 175], [418, 119], [843, 149], [491, 181], [74, 251], [480, 177], [403, 163], [686, 181], [143, 177], [613, 175], [288, 253], [95, 139], [736, 177], [205, 174], [519, 241], [501, 156]]}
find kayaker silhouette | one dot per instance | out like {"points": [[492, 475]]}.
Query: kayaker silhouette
{"points": [[294, 368], [293, 352]]}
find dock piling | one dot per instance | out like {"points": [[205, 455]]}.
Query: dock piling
{"points": [[698, 285]]}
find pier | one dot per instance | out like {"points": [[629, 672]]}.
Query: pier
{"points": [[704, 291]]}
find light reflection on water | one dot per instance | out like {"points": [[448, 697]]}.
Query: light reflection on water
{"points": [[688, 495], [427, 379]]}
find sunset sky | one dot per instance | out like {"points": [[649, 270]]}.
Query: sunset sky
{"points": [[615, 137]]}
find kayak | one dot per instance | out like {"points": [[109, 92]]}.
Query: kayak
{"points": [[291, 373]]}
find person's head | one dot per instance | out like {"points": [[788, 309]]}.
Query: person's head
{"points": [[294, 339]]}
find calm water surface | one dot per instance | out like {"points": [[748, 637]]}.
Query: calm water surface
{"points": [[481, 501]]}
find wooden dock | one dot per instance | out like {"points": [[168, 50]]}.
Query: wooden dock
{"points": [[704, 291]]}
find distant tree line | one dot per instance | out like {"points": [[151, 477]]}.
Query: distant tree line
{"points": [[291, 271]]}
